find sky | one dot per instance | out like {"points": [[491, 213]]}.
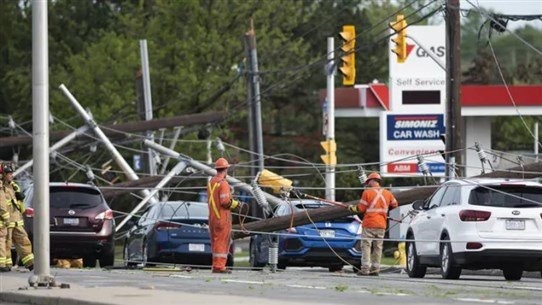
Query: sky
{"points": [[510, 7]]}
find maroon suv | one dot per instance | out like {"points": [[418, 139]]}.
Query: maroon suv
{"points": [[81, 223]]}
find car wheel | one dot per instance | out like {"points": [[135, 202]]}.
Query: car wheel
{"points": [[447, 269], [126, 257], [89, 261], [146, 257], [229, 262], [335, 268], [107, 258], [512, 273], [282, 264], [253, 258], [413, 266]]}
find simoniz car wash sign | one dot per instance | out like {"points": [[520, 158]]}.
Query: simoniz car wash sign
{"points": [[408, 136], [415, 127]]}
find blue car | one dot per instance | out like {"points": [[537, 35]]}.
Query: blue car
{"points": [[311, 244], [174, 232]]}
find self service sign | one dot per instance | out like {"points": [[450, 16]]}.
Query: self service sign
{"points": [[408, 136]]}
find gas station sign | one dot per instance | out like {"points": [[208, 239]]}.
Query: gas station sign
{"points": [[415, 123]]}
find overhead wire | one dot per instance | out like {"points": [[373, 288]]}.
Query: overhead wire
{"points": [[512, 100]]}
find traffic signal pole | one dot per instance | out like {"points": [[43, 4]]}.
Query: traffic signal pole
{"points": [[330, 132]]}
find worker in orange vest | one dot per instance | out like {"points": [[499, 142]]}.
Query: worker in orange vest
{"points": [[374, 204], [221, 203]]}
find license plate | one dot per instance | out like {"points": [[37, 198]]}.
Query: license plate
{"points": [[514, 224], [327, 233], [196, 247], [71, 221]]}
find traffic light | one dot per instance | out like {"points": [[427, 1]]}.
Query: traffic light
{"points": [[399, 26], [330, 146], [348, 58]]}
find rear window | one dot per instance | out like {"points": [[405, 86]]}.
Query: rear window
{"points": [[507, 196], [296, 207], [74, 197], [185, 210]]}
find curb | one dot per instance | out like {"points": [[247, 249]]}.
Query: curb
{"points": [[26, 299]]}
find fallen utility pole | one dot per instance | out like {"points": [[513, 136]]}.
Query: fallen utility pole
{"points": [[116, 130], [528, 171], [55, 147], [128, 171], [174, 172], [209, 170]]}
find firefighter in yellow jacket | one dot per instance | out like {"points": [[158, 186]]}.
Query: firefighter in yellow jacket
{"points": [[4, 219], [16, 232]]}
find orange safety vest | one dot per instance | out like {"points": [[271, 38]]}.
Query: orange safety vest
{"points": [[374, 205]]}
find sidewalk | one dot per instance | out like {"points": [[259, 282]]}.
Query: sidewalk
{"points": [[14, 288]]}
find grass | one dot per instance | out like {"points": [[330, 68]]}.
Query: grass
{"points": [[242, 260]]}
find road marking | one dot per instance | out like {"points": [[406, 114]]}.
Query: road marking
{"points": [[243, 282], [181, 276], [485, 301], [303, 286], [527, 288]]}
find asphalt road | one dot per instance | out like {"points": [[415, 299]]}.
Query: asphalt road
{"points": [[302, 286]]}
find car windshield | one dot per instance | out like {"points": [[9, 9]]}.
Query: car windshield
{"points": [[74, 197], [184, 210], [297, 206], [508, 196]]}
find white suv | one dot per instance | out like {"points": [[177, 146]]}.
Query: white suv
{"points": [[477, 224]]}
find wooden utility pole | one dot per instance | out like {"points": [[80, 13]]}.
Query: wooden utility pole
{"points": [[454, 121], [130, 127]]}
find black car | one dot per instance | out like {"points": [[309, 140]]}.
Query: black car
{"points": [[81, 223]]}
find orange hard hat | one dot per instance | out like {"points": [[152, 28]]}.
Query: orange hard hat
{"points": [[373, 176], [221, 163]]}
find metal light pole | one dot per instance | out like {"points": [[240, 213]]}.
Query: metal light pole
{"points": [[40, 142]]}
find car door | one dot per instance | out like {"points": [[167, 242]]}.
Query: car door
{"points": [[423, 225], [437, 215], [137, 234]]}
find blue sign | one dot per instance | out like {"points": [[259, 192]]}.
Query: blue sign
{"points": [[415, 127], [437, 167]]}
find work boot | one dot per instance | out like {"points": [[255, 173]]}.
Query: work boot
{"points": [[30, 267], [5, 269], [363, 273]]}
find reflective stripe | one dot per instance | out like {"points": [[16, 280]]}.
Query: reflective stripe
{"points": [[221, 255], [2, 260], [5, 215], [8, 202], [28, 258], [13, 224], [363, 202], [212, 198], [372, 208]]}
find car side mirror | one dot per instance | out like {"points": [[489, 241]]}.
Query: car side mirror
{"points": [[418, 205]]}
